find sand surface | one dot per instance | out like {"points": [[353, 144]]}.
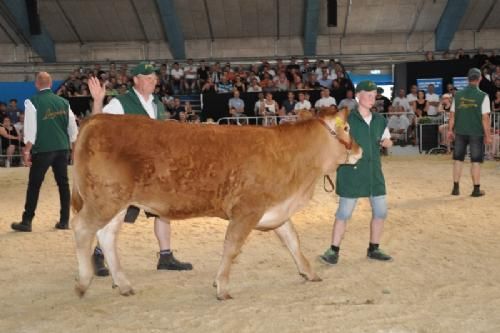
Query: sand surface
{"points": [[445, 276]]}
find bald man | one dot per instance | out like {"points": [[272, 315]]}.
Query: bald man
{"points": [[49, 132]]}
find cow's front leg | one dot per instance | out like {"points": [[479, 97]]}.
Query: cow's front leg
{"points": [[286, 232], [107, 242], [236, 234]]}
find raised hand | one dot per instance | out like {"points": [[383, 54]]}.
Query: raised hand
{"points": [[98, 93]]}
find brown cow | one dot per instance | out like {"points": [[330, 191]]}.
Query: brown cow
{"points": [[255, 177]]}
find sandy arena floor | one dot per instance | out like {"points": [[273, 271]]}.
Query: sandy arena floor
{"points": [[444, 277]]}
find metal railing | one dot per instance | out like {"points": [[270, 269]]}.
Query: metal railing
{"points": [[6, 160], [492, 151], [261, 121]]}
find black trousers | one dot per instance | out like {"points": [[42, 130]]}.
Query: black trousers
{"points": [[41, 162]]}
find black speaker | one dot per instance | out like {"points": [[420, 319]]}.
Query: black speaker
{"points": [[428, 136], [331, 11], [33, 17]]}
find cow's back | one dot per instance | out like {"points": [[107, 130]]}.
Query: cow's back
{"points": [[185, 170]]}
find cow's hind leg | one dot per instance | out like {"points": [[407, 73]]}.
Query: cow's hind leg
{"points": [[286, 232], [84, 232], [236, 234], [107, 242]]}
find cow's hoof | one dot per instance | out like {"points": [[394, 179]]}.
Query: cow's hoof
{"points": [[224, 297], [313, 277], [127, 291], [80, 290], [214, 284]]}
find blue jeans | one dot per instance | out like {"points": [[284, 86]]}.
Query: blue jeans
{"points": [[347, 205]]}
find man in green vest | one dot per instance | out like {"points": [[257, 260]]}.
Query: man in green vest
{"points": [[139, 101], [365, 179], [469, 124], [49, 131]]}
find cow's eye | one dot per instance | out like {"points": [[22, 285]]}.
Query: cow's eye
{"points": [[346, 128]]}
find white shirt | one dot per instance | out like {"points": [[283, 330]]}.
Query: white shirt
{"points": [[30, 125], [303, 105], [398, 122], [348, 102], [190, 72], [115, 107], [398, 101], [177, 73], [325, 102], [411, 98], [432, 110], [485, 107], [385, 135]]}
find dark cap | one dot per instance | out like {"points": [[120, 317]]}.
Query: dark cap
{"points": [[474, 74], [144, 68], [366, 85]]}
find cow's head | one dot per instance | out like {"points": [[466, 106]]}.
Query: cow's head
{"points": [[335, 122]]}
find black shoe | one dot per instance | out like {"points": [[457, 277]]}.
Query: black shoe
{"points": [[100, 268], [21, 226], [62, 226], [478, 193], [167, 261], [377, 254], [456, 190]]}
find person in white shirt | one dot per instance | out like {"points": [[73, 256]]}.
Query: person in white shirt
{"points": [[177, 77], [49, 133], [190, 76], [398, 122], [402, 100], [145, 80], [326, 100], [412, 96], [349, 101], [433, 100], [302, 104]]}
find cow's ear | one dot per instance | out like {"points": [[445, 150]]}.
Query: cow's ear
{"points": [[327, 111], [343, 113]]}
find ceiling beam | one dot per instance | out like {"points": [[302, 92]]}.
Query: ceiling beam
{"points": [[449, 22], [487, 15], [311, 26], [207, 12], [347, 14], [172, 28], [141, 24], [69, 22], [42, 44]]}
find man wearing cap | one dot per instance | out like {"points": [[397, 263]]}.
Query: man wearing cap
{"points": [[470, 125], [365, 179], [138, 101]]}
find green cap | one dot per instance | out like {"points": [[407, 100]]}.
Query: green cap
{"points": [[366, 85], [474, 74], [143, 68]]}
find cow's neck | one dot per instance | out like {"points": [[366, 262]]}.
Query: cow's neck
{"points": [[315, 150]]}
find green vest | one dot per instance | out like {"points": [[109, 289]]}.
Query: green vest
{"points": [[365, 178], [52, 119], [468, 115], [132, 105]]}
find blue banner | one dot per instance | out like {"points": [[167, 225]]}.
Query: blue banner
{"points": [[437, 82], [20, 91], [460, 82]]}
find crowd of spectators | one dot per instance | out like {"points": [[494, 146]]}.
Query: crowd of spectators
{"points": [[266, 77]]}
